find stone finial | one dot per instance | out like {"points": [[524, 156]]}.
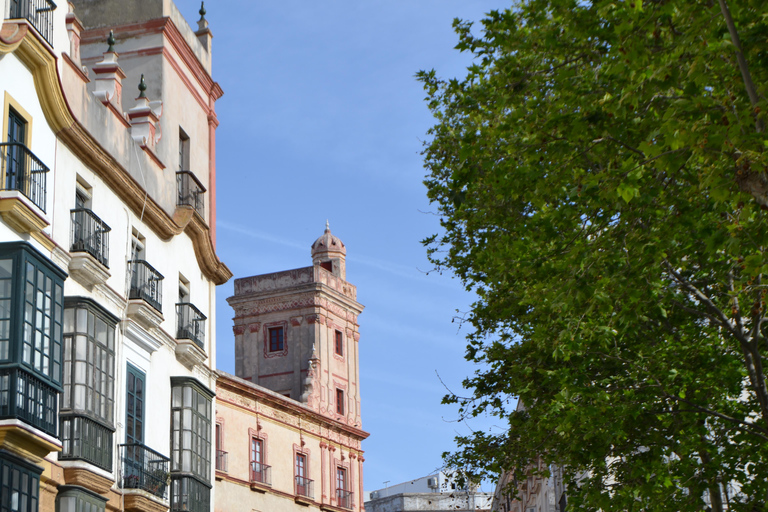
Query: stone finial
{"points": [[202, 10], [111, 42], [142, 87], [109, 76], [327, 226], [144, 118], [74, 28]]}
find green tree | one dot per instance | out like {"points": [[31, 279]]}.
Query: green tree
{"points": [[601, 179]]}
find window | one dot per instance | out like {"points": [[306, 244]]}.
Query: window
{"points": [[339, 343], [343, 496], [259, 470], [87, 409], [221, 455], [89, 233], [31, 312], [183, 150], [79, 499], [339, 401], [190, 445], [276, 341], [16, 160], [303, 484], [19, 484]]}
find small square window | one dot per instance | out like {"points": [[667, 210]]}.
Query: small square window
{"points": [[339, 344], [339, 401], [276, 339]]}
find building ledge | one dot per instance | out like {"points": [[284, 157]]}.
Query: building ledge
{"points": [[304, 500], [260, 487], [136, 333], [137, 500], [87, 270], [26, 441], [87, 477], [20, 213], [144, 314], [189, 353]]}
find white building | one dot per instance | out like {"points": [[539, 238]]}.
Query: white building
{"points": [[107, 261]]}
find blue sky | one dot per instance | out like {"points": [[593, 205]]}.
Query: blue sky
{"points": [[322, 118]]}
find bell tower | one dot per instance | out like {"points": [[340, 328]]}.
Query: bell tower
{"points": [[296, 332]]}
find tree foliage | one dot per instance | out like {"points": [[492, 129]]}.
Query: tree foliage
{"points": [[600, 174]]}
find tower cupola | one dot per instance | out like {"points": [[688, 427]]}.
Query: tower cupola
{"points": [[330, 253]]}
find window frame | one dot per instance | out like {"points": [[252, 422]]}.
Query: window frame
{"points": [[276, 343], [192, 476], [338, 343], [340, 401], [27, 476]]}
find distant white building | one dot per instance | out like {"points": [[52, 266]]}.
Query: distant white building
{"points": [[437, 492]]}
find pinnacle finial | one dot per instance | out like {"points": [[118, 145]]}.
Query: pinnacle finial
{"points": [[142, 87], [111, 42], [202, 10], [327, 225]]}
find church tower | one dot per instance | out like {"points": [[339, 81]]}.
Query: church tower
{"points": [[296, 332]]}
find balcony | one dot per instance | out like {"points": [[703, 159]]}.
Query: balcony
{"points": [[190, 324], [84, 439], [344, 498], [144, 469], [221, 460], [146, 284], [91, 235], [27, 398], [38, 12], [22, 189], [190, 192], [261, 475], [304, 487]]}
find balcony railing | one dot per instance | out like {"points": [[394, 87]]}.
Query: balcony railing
{"points": [[146, 284], [304, 487], [261, 473], [344, 498], [38, 12], [145, 469], [190, 324], [84, 439], [21, 170], [23, 396], [190, 192], [221, 460], [90, 234]]}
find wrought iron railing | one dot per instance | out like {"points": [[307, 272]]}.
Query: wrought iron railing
{"points": [[21, 170], [304, 487], [190, 324], [85, 439], [221, 460], [261, 473], [146, 284], [38, 12], [23, 396], [145, 469], [344, 498], [90, 234], [190, 192]]}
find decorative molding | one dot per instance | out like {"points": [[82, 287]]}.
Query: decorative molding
{"points": [[136, 500], [87, 270], [20, 214], [141, 337], [254, 327], [26, 441], [238, 330], [189, 353], [144, 314], [86, 476]]}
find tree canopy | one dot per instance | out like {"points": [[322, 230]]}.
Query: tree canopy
{"points": [[600, 174]]}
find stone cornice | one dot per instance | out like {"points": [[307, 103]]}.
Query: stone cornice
{"points": [[38, 58], [272, 399]]}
